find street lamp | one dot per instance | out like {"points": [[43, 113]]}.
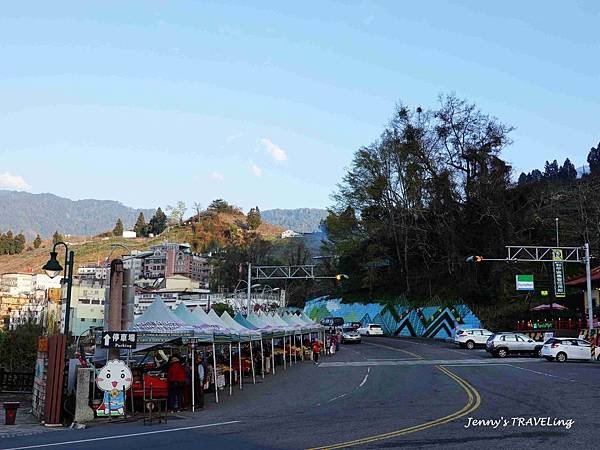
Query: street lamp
{"points": [[53, 268]]}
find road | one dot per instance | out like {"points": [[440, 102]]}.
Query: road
{"points": [[384, 393]]}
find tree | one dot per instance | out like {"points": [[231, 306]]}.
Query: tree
{"points": [[177, 212], [551, 170], [158, 222], [593, 160], [19, 243], [141, 227], [567, 171], [198, 209], [37, 242], [57, 237], [253, 219], [118, 229]]}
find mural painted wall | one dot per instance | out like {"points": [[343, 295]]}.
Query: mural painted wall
{"points": [[429, 321]]}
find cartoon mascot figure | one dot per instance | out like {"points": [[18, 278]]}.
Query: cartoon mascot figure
{"points": [[114, 379]]}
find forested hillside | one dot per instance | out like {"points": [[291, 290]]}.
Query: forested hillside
{"points": [[301, 220], [434, 189]]}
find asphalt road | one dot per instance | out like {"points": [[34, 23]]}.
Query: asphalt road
{"points": [[384, 393]]}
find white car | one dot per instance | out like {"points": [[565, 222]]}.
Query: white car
{"points": [[471, 337], [371, 329], [561, 349]]}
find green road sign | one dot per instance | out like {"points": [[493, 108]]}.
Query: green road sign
{"points": [[524, 282], [559, 273]]}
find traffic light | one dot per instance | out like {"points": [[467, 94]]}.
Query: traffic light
{"points": [[474, 259]]}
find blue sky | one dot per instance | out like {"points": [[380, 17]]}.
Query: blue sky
{"points": [[264, 103]]}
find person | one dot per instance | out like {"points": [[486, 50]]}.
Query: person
{"points": [[199, 382], [332, 344], [316, 348], [176, 377]]}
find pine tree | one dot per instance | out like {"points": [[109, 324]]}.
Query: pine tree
{"points": [[57, 237], [158, 223], [593, 160], [567, 172], [141, 227], [19, 244], [37, 242], [118, 229], [253, 219]]}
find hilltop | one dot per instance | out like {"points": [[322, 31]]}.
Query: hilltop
{"points": [[209, 229]]}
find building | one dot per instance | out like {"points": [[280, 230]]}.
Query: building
{"points": [[289, 234], [173, 291], [93, 273], [129, 234], [16, 284], [87, 306], [168, 259]]}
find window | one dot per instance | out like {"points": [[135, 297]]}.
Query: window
{"points": [[85, 301], [82, 319], [95, 302], [520, 339]]}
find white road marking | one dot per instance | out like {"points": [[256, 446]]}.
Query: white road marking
{"points": [[416, 362], [366, 378], [122, 436], [542, 373], [338, 397]]}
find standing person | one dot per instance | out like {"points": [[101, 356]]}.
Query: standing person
{"points": [[199, 382], [176, 377], [316, 348]]}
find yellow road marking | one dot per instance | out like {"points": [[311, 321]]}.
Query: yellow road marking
{"points": [[395, 349], [473, 402]]}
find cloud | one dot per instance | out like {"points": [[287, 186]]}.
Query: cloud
{"points": [[275, 151], [257, 171], [217, 176], [13, 182]]}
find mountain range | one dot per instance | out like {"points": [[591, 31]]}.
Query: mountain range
{"points": [[300, 220], [46, 213]]}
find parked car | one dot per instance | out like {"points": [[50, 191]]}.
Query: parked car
{"points": [[503, 344], [355, 325], [561, 349], [471, 337], [371, 329], [349, 334], [332, 322]]}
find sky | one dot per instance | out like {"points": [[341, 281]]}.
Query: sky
{"points": [[264, 103]]}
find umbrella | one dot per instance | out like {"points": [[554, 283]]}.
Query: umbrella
{"points": [[547, 306]]}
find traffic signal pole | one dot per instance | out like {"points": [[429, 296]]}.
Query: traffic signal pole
{"points": [[544, 254]]}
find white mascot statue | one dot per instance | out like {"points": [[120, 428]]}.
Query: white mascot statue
{"points": [[114, 379]]}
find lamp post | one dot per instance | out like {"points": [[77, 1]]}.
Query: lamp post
{"points": [[53, 268]]}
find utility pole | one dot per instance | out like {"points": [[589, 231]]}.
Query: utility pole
{"points": [[588, 276]]}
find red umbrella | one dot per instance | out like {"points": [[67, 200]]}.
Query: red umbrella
{"points": [[546, 307]]}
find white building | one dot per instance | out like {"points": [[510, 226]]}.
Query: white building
{"points": [[289, 234], [16, 283], [87, 307], [129, 234]]}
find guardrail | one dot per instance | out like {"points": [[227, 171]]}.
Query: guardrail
{"points": [[21, 382]]}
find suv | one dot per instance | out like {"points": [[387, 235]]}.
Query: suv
{"points": [[503, 344], [332, 322], [471, 337]]}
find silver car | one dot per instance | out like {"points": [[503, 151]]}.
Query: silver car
{"points": [[503, 344], [349, 334]]}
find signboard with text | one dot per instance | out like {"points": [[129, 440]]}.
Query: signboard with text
{"points": [[524, 282], [559, 273], [119, 339]]}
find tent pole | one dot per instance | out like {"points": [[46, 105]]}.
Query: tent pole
{"points": [[252, 363], [240, 361], [301, 346], [284, 360], [194, 368], [273, 356], [296, 348], [262, 358], [215, 372], [290, 350], [230, 371]]}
